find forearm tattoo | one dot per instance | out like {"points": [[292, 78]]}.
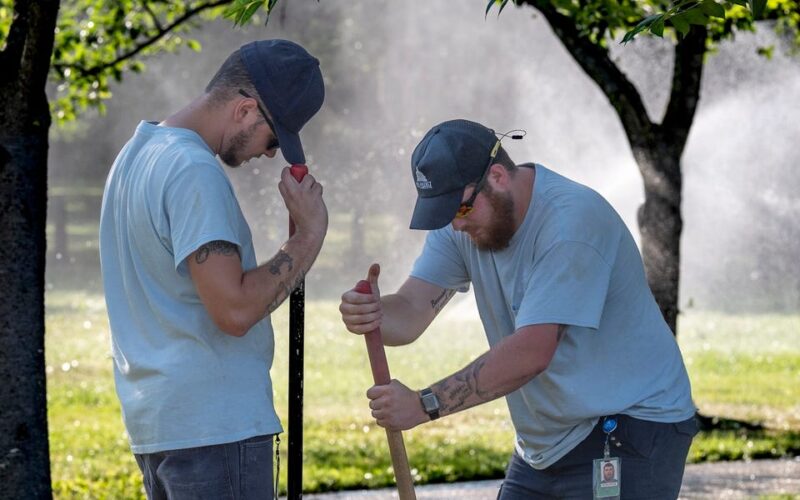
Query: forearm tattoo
{"points": [[284, 292], [464, 386], [276, 262], [439, 302], [218, 247]]}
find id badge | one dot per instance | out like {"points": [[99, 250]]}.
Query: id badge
{"points": [[607, 475]]}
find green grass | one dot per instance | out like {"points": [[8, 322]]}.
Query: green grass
{"points": [[744, 367]]}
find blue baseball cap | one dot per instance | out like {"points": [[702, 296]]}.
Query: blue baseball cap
{"points": [[451, 156], [289, 82]]}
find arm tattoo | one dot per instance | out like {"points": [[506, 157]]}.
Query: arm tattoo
{"points": [[276, 262], [461, 387], [218, 247], [284, 292], [439, 302]]}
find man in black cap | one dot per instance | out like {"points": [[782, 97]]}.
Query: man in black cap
{"points": [[590, 371], [187, 302]]}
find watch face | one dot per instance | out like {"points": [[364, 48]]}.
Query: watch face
{"points": [[430, 402]]}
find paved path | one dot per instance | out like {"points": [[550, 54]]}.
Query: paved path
{"points": [[717, 481]]}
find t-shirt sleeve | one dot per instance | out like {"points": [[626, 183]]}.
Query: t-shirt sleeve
{"points": [[201, 207], [568, 285], [441, 263]]}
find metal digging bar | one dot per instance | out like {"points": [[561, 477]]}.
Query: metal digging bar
{"points": [[297, 303]]}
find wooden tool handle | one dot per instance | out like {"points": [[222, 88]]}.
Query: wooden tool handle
{"points": [[381, 376]]}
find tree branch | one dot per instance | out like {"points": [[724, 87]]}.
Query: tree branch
{"points": [[153, 16], [11, 56], [685, 94], [35, 60], [160, 33], [596, 62]]}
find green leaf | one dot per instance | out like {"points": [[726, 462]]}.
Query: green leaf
{"points": [[194, 45], [712, 9], [502, 6], [488, 8], [743, 3], [696, 16], [657, 28], [680, 23], [767, 51]]}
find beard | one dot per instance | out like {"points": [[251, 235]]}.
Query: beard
{"points": [[499, 233], [230, 156]]}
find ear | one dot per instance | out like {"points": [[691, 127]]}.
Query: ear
{"points": [[244, 110], [499, 177]]}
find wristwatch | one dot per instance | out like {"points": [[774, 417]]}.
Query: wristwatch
{"points": [[430, 403]]}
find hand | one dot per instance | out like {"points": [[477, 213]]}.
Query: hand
{"points": [[396, 407], [305, 204], [361, 312]]}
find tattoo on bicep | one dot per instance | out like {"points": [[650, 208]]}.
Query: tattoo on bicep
{"points": [[280, 259], [218, 247], [439, 302]]}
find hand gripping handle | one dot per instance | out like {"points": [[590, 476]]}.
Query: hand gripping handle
{"points": [[298, 171]]}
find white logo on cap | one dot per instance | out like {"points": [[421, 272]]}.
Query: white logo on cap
{"points": [[422, 181]]}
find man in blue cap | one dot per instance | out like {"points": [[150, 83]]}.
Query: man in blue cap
{"points": [[187, 302], [589, 368]]}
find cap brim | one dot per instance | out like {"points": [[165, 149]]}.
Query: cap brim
{"points": [[437, 211], [291, 148]]}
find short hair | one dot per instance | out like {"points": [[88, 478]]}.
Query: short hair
{"points": [[230, 78], [502, 158]]}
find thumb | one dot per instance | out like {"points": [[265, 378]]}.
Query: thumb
{"points": [[372, 277]]}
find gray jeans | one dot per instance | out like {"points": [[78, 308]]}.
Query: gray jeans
{"points": [[653, 456], [231, 471]]}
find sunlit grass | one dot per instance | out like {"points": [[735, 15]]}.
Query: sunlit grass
{"points": [[740, 366]]}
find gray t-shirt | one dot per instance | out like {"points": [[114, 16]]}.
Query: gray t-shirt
{"points": [[572, 262], [182, 382]]}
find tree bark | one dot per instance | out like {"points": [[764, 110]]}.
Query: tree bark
{"points": [[657, 148], [24, 124]]}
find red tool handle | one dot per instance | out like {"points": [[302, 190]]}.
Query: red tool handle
{"points": [[298, 171], [380, 374]]}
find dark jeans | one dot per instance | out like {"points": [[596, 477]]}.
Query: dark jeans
{"points": [[652, 457], [232, 471]]}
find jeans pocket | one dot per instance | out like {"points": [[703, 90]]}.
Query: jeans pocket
{"points": [[636, 438], [688, 427], [256, 468]]}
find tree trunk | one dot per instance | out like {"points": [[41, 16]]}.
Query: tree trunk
{"points": [[660, 225], [657, 148], [24, 124]]}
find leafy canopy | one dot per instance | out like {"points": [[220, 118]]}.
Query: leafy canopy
{"points": [[97, 41]]}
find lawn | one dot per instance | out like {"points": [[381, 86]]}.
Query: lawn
{"points": [[742, 367]]}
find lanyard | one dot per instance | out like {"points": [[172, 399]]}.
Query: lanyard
{"points": [[609, 426]]}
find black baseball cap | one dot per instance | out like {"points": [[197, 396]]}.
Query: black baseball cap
{"points": [[451, 156], [289, 82]]}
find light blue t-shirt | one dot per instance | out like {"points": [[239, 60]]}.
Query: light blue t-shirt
{"points": [[182, 382], [572, 262]]}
